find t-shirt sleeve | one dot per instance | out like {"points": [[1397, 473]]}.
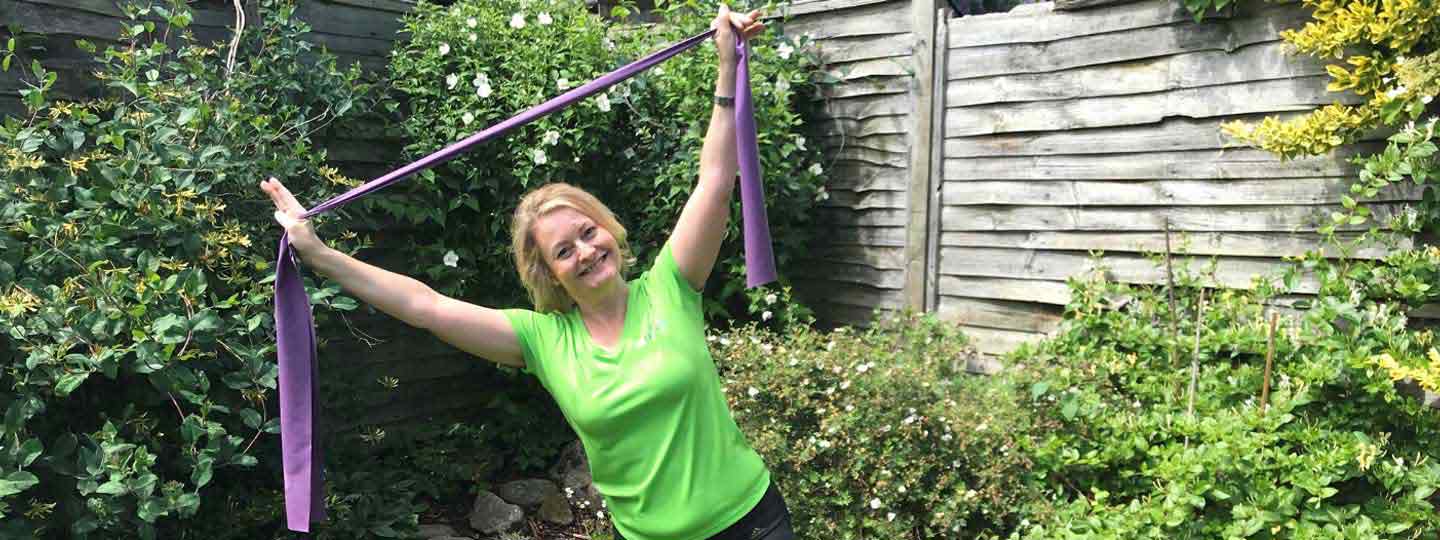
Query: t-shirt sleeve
{"points": [[665, 278], [531, 329]]}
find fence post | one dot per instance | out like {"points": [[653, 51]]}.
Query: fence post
{"points": [[917, 239]]}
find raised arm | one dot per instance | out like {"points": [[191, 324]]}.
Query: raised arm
{"points": [[475, 329], [695, 242]]}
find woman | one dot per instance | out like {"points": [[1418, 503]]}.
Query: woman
{"points": [[626, 361]]}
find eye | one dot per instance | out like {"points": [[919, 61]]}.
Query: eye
{"points": [[589, 232], [563, 253]]}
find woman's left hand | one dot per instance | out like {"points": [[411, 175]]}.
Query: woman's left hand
{"points": [[725, 24]]}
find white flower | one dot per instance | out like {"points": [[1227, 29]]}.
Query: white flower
{"points": [[545, 18], [1427, 99], [823, 443], [603, 102], [473, 37], [451, 80], [444, 49], [766, 315], [890, 516], [1395, 92], [945, 438], [539, 156], [562, 83], [849, 408], [451, 259], [753, 391], [517, 21], [610, 45], [822, 195], [467, 118], [875, 503], [471, 22], [862, 368], [800, 143], [785, 50], [816, 169], [782, 85], [552, 137], [629, 153], [480, 79], [770, 298], [482, 85]]}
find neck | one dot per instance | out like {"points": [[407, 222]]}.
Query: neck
{"points": [[606, 307]]}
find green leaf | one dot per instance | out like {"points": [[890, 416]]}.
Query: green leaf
{"points": [[113, 487], [204, 469], [17, 482], [186, 115], [69, 382], [29, 451]]}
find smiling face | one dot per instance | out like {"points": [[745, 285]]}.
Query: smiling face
{"points": [[582, 255]]}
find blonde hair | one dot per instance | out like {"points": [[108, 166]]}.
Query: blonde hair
{"points": [[545, 291]]}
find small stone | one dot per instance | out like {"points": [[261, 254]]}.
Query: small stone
{"points": [[528, 493], [555, 509], [491, 514], [433, 531]]}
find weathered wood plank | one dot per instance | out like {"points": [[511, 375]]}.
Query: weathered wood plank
{"points": [[868, 87], [864, 200], [1019, 290], [841, 314], [1009, 315], [864, 127], [923, 20], [804, 7], [850, 49], [1040, 25], [995, 341], [867, 236], [1094, 50], [1276, 244], [859, 295], [884, 142], [898, 66], [858, 274], [1177, 133], [1298, 94], [865, 155], [878, 257], [1073, 5], [874, 217], [933, 199], [1182, 218], [1263, 61], [1246, 192], [1232, 272], [855, 176], [869, 20], [1190, 164], [328, 17], [869, 106]]}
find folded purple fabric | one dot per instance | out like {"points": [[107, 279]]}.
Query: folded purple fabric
{"points": [[295, 326]]}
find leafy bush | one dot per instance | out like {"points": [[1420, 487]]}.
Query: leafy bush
{"points": [[473, 64], [881, 434], [130, 268], [1390, 58], [1151, 449]]}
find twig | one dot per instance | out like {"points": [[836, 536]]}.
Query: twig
{"points": [[1170, 288], [235, 40], [1269, 362], [1195, 360], [264, 416]]}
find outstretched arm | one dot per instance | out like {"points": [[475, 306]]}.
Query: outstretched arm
{"points": [[475, 329], [695, 242]]}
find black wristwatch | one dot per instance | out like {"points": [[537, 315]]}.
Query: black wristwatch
{"points": [[725, 101]]}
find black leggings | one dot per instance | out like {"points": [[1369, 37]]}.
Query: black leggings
{"points": [[768, 520]]}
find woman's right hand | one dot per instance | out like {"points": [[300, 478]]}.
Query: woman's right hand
{"points": [[288, 213]]}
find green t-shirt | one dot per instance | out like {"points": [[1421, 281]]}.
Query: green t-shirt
{"points": [[664, 450]]}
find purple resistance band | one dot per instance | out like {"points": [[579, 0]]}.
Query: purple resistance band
{"points": [[295, 326]]}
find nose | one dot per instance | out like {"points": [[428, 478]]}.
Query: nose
{"points": [[586, 250]]}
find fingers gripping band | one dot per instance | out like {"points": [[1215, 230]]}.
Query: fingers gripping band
{"points": [[295, 327]]}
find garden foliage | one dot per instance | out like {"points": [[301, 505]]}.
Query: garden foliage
{"points": [[133, 272]]}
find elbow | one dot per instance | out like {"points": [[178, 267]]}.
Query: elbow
{"points": [[423, 311]]}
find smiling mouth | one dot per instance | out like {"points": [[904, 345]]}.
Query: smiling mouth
{"points": [[598, 260]]}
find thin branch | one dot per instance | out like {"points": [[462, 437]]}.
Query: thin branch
{"points": [[1269, 363], [1195, 360], [235, 39], [1170, 288]]}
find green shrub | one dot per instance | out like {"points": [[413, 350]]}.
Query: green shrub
{"points": [[1339, 453], [472, 64], [881, 434], [136, 326]]}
